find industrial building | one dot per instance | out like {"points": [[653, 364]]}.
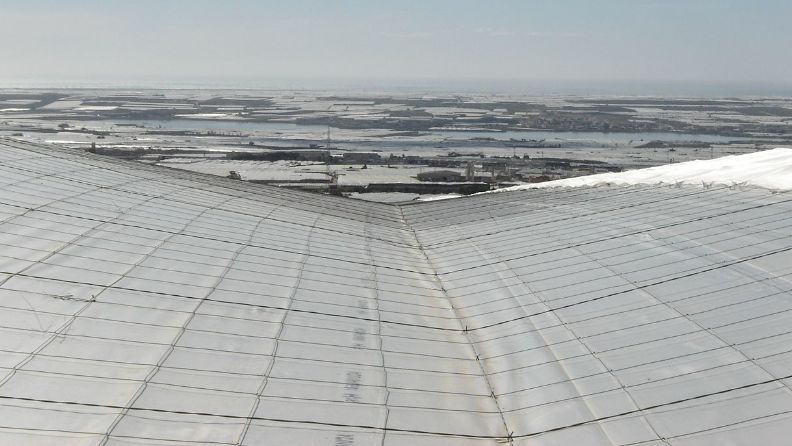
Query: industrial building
{"points": [[144, 305]]}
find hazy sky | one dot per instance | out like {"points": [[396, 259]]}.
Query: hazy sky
{"points": [[528, 40]]}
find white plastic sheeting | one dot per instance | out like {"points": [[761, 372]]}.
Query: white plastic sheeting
{"points": [[140, 305], [771, 169]]}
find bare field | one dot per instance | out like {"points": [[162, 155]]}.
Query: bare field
{"points": [[316, 136]]}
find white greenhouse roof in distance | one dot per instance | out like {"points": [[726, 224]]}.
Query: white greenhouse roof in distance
{"points": [[141, 305], [771, 169]]}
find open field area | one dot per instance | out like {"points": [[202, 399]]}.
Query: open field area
{"points": [[314, 139]]}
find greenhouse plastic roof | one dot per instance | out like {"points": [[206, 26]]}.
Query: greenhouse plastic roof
{"points": [[142, 305], [770, 169]]}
